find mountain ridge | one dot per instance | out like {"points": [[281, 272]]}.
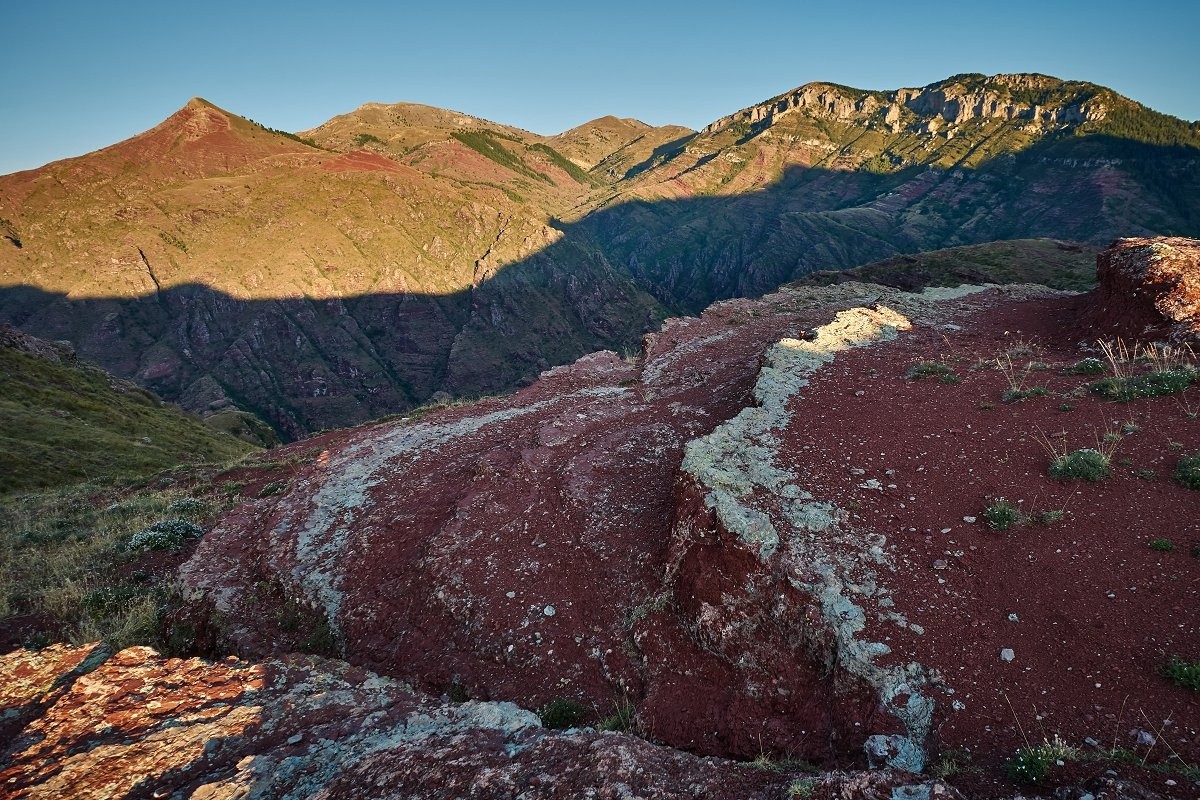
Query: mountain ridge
{"points": [[456, 255]]}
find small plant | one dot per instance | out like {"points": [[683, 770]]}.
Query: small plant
{"points": [[1086, 464], [804, 787], [1182, 673], [561, 713], [1029, 765], [1161, 545], [952, 762], [1017, 395], [1066, 407], [926, 369], [621, 720], [1187, 471], [1001, 515], [949, 378], [1150, 384], [189, 508], [273, 488], [166, 534], [1050, 517], [1087, 366], [986, 406], [1032, 764], [1145, 474]]}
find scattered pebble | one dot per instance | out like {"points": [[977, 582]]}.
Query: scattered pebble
{"points": [[969, 519], [940, 564], [1013, 618], [1007, 654], [510, 595], [548, 611]]}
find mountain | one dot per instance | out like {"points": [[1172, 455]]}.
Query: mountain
{"points": [[828, 177], [65, 421], [401, 253], [215, 261]]}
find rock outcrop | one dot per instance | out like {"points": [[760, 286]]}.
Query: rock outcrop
{"points": [[953, 101], [1149, 288], [596, 537], [132, 724]]}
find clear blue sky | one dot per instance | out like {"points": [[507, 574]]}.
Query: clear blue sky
{"points": [[77, 76]]}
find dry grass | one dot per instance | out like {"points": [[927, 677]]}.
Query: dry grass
{"points": [[64, 562]]}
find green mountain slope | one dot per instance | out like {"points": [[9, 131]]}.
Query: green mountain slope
{"points": [[63, 421]]}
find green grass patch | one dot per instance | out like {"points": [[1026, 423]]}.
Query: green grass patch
{"points": [[927, 369], [64, 423], [1087, 464], [1187, 471], [562, 713], [1001, 515], [1150, 384], [1182, 673]]}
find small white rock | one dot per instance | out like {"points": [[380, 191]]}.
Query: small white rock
{"points": [[1013, 618], [969, 519], [548, 611], [510, 595], [1007, 654]]}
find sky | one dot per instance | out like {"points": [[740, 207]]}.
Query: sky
{"points": [[77, 76]]}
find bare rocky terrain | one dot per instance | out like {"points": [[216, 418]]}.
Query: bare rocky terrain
{"points": [[791, 539]]}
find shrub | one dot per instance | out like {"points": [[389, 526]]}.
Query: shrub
{"points": [[1086, 464], [166, 534], [1187, 471], [1182, 673], [1161, 545], [273, 488], [803, 787], [562, 713], [189, 508], [1001, 515]]}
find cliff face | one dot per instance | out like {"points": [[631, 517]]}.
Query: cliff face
{"points": [[1052, 102]]}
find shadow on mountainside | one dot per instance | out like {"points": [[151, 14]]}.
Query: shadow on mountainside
{"points": [[305, 365]]}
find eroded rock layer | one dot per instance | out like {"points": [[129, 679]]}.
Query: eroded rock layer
{"points": [[132, 724]]}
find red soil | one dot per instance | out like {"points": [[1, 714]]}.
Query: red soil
{"points": [[1097, 610]]}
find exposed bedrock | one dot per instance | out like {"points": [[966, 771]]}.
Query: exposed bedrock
{"points": [[133, 724], [548, 545], [1149, 288]]}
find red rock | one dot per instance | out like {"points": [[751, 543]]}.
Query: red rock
{"points": [[1149, 288], [308, 727]]}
